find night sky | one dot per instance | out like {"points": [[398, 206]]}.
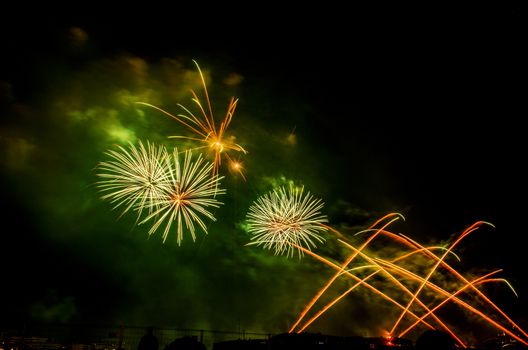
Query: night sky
{"points": [[374, 110]]}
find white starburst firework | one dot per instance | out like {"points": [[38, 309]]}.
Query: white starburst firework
{"points": [[187, 192], [152, 180], [134, 178], [286, 220]]}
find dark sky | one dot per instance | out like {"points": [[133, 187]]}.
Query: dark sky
{"points": [[415, 110]]}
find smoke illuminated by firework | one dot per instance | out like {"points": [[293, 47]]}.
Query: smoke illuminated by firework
{"points": [[150, 178], [285, 219], [206, 130]]}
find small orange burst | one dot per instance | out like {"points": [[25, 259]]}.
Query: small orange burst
{"points": [[177, 198], [236, 167]]}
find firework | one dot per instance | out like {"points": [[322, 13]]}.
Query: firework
{"points": [[284, 220], [134, 178], [439, 294], [392, 216], [204, 128], [187, 193]]}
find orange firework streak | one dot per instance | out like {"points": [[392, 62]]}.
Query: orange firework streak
{"points": [[343, 267], [457, 300], [480, 280], [413, 276], [417, 248], [463, 279], [464, 234], [399, 284], [359, 281], [205, 127], [391, 235], [453, 271], [333, 302]]}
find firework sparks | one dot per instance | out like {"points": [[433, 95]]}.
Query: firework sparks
{"points": [[187, 193], [440, 292], [134, 178], [392, 216], [150, 179], [275, 223], [205, 129], [284, 220]]}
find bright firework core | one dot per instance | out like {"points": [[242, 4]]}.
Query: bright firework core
{"points": [[217, 145]]}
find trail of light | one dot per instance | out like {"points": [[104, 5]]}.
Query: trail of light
{"points": [[473, 283], [333, 302], [433, 269], [202, 133], [480, 293], [406, 290], [408, 242], [359, 281], [429, 252], [426, 282], [212, 124], [457, 300], [343, 267]]}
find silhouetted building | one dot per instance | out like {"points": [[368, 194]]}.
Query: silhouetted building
{"points": [[435, 340], [312, 341], [242, 344], [148, 341], [186, 343]]}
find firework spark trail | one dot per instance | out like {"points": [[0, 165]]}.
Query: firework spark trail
{"points": [[343, 267], [380, 269], [394, 280], [188, 192], [433, 269], [282, 218], [441, 260], [360, 281], [405, 289], [333, 302], [135, 178], [439, 290], [384, 266], [407, 273], [474, 283], [205, 126], [464, 280]]}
